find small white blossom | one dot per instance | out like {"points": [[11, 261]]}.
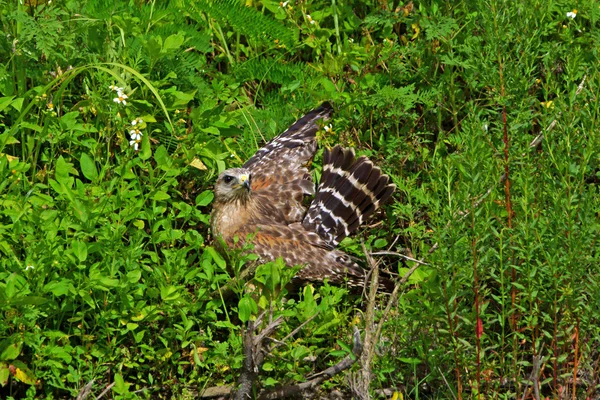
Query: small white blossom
{"points": [[136, 134], [27, 268], [136, 121], [121, 98], [309, 19], [116, 88], [283, 4], [328, 128], [572, 14], [135, 144]]}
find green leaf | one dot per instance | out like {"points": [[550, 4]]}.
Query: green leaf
{"points": [[216, 257], [160, 195], [204, 198], [59, 288], [170, 293], [80, 250], [134, 276], [173, 42], [246, 307], [11, 351], [4, 373], [88, 167], [379, 243], [120, 386], [161, 156], [146, 151]]}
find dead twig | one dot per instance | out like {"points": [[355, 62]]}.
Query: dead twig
{"points": [[345, 363], [534, 377], [392, 253], [253, 354], [105, 391], [86, 390]]}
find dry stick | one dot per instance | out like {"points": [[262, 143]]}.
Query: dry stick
{"points": [[86, 390], [253, 354], [361, 388], [345, 363], [215, 391], [392, 253], [534, 378], [105, 391]]}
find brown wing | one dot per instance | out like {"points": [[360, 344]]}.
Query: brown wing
{"points": [[284, 158], [298, 246]]}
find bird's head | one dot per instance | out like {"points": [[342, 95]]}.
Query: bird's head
{"points": [[233, 184]]}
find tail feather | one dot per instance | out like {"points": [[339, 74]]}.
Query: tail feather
{"points": [[350, 191]]}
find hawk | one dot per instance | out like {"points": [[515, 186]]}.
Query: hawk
{"points": [[265, 198]]}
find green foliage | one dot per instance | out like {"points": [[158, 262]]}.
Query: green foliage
{"points": [[107, 270]]}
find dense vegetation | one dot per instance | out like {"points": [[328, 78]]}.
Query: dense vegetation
{"points": [[116, 117]]}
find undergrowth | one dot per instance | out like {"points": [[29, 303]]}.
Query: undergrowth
{"points": [[116, 117]]}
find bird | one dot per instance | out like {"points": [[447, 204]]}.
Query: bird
{"points": [[263, 202]]}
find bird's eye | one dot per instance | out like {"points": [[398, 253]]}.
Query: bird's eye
{"points": [[227, 178]]}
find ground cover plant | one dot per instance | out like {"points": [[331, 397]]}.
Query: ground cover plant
{"points": [[116, 116]]}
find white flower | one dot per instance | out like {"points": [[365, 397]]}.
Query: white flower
{"points": [[135, 144], [136, 121], [283, 4], [572, 14], [136, 134], [309, 18], [116, 88], [328, 128], [27, 268], [121, 98]]}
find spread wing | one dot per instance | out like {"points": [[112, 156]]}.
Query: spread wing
{"points": [[284, 158], [279, 170]]}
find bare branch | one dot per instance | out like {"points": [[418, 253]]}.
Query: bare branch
{"points": [[345, 363]]}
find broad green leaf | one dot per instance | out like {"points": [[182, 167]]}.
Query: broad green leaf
{"points": [[216, 257], [80, 250], [120, 386], [28, 300], [173, 42], [379, 243], [4, 373], [246, 307], [161, 156], [11, 351], [170, 293], [88, 167], [134, 276], [160, 195], [204, 198], [31, 126], [58, 288]]}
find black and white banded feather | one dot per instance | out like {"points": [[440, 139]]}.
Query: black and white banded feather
{"points": [[350, 191]]}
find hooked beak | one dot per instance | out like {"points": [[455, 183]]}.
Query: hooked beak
{"points": [[245, 181]]}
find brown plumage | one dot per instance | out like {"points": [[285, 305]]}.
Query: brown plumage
{"points": [[264, 198]]}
